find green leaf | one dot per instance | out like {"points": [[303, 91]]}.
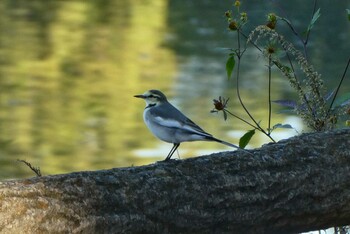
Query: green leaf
{"points": [[230, 64], [348, 11], [243, 142], [225, 115], [314, 19]]}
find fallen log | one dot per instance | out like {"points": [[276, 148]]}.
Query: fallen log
{"points": [[295, 185]]}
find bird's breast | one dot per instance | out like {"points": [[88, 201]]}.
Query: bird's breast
{"points": [[153, 124]]}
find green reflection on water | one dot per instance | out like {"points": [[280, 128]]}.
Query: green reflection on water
{"points": [[67, 79]]}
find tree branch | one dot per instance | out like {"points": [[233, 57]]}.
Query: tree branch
{"points": [[294, 185]]}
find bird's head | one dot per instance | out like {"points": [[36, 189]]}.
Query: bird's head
{"points": [[153, 97]]}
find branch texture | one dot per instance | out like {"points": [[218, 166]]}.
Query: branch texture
{"points": [[295, 185]]}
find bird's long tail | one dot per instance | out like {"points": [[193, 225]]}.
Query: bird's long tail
{"points": [[226, 143], [229, 144]]}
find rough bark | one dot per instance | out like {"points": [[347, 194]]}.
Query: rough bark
{"points": [[295, 185]]}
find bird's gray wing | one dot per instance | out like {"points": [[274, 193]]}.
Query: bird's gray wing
{"points": [[172, 118]]}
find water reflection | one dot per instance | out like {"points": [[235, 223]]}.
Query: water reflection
{"points": [[69, 70]]}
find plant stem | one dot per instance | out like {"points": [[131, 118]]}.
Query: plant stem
{"points": [[308, 31], [339, 85], [239, 55], [304, 42], [243, 120], [237, 80], [255, 127], [269, 118]]}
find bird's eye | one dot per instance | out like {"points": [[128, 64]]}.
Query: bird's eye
{"points": [[151, 96]]}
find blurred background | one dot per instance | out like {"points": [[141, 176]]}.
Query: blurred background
{"points": [[69, 70]]}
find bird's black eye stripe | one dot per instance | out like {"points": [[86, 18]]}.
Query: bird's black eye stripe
{"points": [[152, 96]]}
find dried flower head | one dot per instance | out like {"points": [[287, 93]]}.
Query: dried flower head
{"points": [[220, 105], [271, 21], [270, 49], [271, 24], [233, 25]]}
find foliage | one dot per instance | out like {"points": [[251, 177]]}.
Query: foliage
{"points": [[319, 110], [243, 142]]}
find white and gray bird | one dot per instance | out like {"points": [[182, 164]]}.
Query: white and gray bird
{"points": [[168, 123]]}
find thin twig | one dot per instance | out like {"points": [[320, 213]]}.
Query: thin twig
{"points": [[308, 31], [243, 120], [269, 118], [36, 170], [339, 85], [239, 55], [237, 87], [304, 42]]}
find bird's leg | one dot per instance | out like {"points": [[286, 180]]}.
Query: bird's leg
{"points": [[176, 145]]}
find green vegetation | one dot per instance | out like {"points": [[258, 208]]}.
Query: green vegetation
{"points": [[319, 108]]}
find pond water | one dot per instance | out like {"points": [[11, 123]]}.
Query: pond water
{"points": [[69, 71]]}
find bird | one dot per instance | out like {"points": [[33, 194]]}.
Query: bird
{"points": [[169, 124]]}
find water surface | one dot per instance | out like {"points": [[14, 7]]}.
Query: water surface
{"points": [[69, 70]]}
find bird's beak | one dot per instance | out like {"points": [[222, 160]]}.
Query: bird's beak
{"points": [[140, 96]]}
